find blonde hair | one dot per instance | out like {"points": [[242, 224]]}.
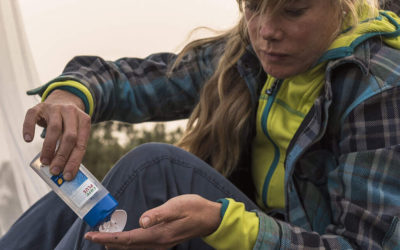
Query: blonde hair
{"points": [[221, 126]]}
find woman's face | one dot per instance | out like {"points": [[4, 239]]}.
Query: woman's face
{"points": [[291, 40]]}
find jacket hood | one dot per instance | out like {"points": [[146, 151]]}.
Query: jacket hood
{"points": [[386, 25]]}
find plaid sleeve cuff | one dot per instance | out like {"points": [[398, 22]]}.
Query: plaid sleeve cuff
{"points": [[75, 88], [270, 233]]}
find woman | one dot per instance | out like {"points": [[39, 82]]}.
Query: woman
{"points": [[297, 105]]}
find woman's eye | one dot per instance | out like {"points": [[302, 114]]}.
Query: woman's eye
{"points": [[295, 12], [251, 6]]}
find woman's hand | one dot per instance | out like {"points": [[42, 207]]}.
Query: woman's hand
{"points": [[179, 219], [65, 121]]}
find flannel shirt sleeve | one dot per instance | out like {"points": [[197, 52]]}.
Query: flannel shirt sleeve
{"points": [[138, 90], [364, 187]]}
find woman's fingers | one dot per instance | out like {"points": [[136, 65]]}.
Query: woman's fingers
{"points": [[65, 121], [134, 239], [164, 213], [68, 139], [180, 218], [32, 117], [79, 149], [161, 228], [53, 132], [120, 238]]}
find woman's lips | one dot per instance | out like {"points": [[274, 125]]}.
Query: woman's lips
{"points": [[274, 56]]}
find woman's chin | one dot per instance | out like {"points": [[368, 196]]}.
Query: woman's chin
{"points": [[282, 72]]}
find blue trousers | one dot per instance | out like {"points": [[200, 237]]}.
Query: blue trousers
{"points": [[144, 178]]}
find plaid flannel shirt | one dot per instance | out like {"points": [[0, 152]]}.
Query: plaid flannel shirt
{"points": [[343, 165]]}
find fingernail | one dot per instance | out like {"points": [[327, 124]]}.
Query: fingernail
{"points": [[45, 161], [27, 137], [68, 176], [55, 170], [145, 222]]}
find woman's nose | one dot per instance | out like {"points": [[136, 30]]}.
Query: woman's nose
{"points": [[270, 28]]}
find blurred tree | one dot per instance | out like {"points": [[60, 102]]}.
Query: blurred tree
{"points": [[109, 141]]}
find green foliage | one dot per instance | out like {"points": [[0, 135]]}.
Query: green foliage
{"points": [[109, 141]]}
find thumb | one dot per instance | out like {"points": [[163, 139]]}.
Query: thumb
{"points": [[157, 215]]}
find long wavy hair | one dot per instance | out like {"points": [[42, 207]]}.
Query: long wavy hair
{"points": [[220, 127]]}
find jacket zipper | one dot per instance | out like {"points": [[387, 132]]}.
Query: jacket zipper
{"points": [[316, 139], [271, 92]]}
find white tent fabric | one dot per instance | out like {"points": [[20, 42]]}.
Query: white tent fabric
{"points": [[20, 187]]}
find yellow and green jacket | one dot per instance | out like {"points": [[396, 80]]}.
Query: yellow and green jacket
{"points": [[283, 106]]}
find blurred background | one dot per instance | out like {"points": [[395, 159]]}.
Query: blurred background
{"points": [[37, 38]]}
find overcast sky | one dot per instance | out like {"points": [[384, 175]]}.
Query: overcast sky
{"points": [[57, 30]]}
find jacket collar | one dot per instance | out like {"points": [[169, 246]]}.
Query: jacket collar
{"points": [[349, 47]]}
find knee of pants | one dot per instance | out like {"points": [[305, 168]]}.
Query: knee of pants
{"points": [[142, 156]]}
